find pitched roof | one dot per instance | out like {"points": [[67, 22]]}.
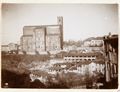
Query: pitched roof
{"points": [[93, 38], [55, 68], [39, 26], [115, 36], [73, 68], [27, 36], [100, 62], [83, 54], [4, 45]]}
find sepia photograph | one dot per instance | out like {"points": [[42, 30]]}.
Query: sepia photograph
{"points": [[59, 46]]}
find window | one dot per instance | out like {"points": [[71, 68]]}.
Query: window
{"points": [[89, 59]]}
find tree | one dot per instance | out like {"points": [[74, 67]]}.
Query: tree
{"points": [[37, 84], [24, 52]]}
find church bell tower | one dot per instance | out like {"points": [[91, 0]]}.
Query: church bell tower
{"points": [[60, 22]]}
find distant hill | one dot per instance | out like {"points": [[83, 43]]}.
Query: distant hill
{"points": [[93, 38]]}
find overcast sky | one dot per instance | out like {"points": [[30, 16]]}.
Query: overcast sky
{"points": [[80, 21]]}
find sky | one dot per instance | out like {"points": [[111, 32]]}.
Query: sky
{"points": [[80, 21]]}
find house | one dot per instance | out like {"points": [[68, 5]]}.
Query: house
{"points": [[94, 42], [13, 47], [71, 47], [5, 48], [111, 56]]}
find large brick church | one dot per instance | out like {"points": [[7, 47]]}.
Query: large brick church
{"points": [[43, 38]]}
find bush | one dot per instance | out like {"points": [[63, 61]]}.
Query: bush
{"points": [[24, 52], [12, 61]]}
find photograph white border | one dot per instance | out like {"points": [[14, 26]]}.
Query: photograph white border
{"points": [[61, 1]]}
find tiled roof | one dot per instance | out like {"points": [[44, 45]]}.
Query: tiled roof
{"points": [[55, 68], [100, 62], [111, 37], [65, 63], [4, 45], [36, 26], [62, 52], [84, 63], [83, 54], [73, 68], [27, 35]]}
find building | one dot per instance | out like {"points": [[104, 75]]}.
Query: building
{"points": [[111, 54], [77, 57], [80, 63], [82, 67], [86, 62], [5, 48], [69, 48], [13, 47], [9, 47], [94, 42], [87, 43], [43, 38]]}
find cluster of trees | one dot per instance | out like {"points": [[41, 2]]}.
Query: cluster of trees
{"points": [[61, 80], [69, 80], [73, 80], [11, 62], [15, 80]]}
